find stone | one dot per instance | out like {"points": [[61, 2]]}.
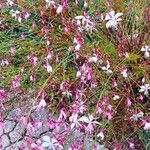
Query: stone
{"points": [[8, 126], [5, 141], [16, 134]]}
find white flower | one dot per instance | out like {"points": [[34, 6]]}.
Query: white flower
{"points": [[93, 59], [59, 9], [51, 143], [16, 14], [10, 2], [74, 120], [146, 49], [106, 69], [49, 3], [147, 126], [136, 117], [112, 19], [27, 15], [42, 103], [85, 4], [85, 23], [116, 97], [101, 135], [78, 74], [124, 73], [49, 69], [144, 88], [90, 120]]}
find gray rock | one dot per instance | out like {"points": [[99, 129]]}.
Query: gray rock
{"points": [[5, 141], [14, 146], [16, 134], [8, 126]]}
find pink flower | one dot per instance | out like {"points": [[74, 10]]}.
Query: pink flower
{"points": [[104, 108], [26, 15], [2, 94], [4, 62], [91, 121], [49, 55], [78, 106], [128, 102], [12, 51], [62, 115], [147, 126], [15, 81], [76, 145], [124, 72], [47, 66], [85, 73], [78, 41], [34, 146], [32, 58], [114, 82]]}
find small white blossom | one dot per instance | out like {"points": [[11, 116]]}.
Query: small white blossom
{"points": [[112, 19], [144, 88], [116, 97], [10, 2], [106, 69], [51, 143], [101, 135], [74, 121], [59, 9], [136, 117], [93, 59], [146, 50], [91, 122], [16, 14], [50, 3], [49, 69], [85, 4], [124, 72], [147, 126], [85, 23]]}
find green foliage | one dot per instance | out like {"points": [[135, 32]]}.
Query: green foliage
{"points": [[145, 138]]}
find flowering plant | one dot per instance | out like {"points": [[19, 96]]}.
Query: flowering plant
{"points": [[86, 63]]}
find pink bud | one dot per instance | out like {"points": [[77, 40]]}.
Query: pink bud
{"points": [[128, 101], [12, 51]]}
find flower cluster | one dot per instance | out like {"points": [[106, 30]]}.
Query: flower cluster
{"points": [[87, 64]]}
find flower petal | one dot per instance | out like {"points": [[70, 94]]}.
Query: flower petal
{"points": [[84, 119], [45, 144], [46, 138]]}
